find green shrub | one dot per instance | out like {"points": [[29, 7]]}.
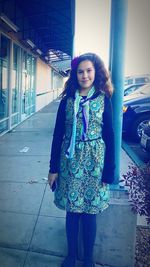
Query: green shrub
{"points": [[137, 180]]}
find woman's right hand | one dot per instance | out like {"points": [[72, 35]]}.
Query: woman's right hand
{"points": [[51, 178]]}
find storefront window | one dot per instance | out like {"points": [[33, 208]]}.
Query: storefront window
{"points": [[15, 85], [20, 79], [4, 65], [28, 85], [33, 85]]}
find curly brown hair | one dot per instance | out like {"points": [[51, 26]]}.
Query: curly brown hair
{"points": [[102, 80]]}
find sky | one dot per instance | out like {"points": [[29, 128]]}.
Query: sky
{"points": [[92, 31]]}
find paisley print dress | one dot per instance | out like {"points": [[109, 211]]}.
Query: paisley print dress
{"points": [[79, 187]]}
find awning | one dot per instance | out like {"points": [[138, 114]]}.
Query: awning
{"points": [[45, 26]]}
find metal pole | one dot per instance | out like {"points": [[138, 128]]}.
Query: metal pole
{"points": [[116, 67]]}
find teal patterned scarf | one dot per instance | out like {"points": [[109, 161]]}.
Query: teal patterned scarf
{"points": [[84, 103]]}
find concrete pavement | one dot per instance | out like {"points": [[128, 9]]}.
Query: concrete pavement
{"points": [[32, 229]]}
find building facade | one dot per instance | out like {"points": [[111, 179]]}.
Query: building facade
{"points": [[27, 83]]}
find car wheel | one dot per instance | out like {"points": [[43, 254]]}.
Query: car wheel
{"points": [[138, 125]]}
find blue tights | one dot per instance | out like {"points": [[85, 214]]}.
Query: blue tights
{"points": [[89, 234]]}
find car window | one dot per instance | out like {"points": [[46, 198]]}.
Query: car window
{"points": [[130, 90], [142, 80], [130, 81]]}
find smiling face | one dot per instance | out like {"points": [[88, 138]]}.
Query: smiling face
{"points": [[85, 75]]}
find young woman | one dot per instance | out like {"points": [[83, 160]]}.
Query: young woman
{"points": [[82, 155]]}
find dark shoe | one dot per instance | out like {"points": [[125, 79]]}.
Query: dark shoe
{"points": [[89, 264], [68, 262]]}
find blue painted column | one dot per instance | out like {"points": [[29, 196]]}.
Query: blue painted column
{"points": [[116, 67]]}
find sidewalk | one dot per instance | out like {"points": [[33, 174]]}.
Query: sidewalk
{"points": [[32, 229]]}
